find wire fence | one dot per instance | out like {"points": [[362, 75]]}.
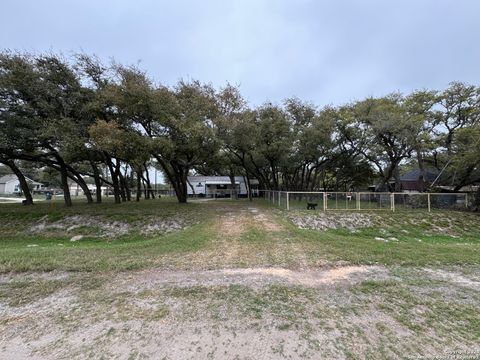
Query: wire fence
{"points": [[358, 201]]}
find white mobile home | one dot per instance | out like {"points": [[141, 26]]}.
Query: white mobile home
{"points": [[76, 190], [219, 186]]}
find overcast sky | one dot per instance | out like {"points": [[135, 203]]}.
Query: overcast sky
{"points": [[327, 52]]}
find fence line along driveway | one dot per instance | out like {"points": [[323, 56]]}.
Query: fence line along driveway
{"points": [[336, 200]]}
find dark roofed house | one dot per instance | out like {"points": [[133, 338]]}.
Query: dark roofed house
{"points": [[414, 181]]}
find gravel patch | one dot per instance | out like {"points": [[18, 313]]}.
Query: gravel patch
{"points": [[326, 221], [79, 226]]}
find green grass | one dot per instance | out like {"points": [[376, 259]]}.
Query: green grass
{"points": [[420, 238], [22, 250], [437, 238], [401, 310]]}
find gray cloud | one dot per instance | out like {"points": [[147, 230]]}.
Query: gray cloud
{"points": [[328, 52]]}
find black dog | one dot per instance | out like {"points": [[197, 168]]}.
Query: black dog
{"points": [[311, 206]]}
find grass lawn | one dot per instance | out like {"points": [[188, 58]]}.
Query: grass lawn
{"points": [[234, 279]]}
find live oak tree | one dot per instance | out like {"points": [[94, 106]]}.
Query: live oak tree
{"points": [[458, 108], [239, 137], [383, 133], [467, 158], [78, 118], [183, 134], [126, 148], [40, 97], [230, 105], [275, 136], [179, 122], [312, 144]]}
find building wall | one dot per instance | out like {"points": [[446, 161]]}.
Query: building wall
{"points": [[201, 180], [13, 186], [76, 190], [10, 187]]}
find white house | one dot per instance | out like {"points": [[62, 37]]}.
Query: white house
{"points": [[9, 184], [76, 190], [219, 186]]}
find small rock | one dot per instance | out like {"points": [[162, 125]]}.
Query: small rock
{"points": [[76, 238], [32, 245], [380, 239], [73, 227]]}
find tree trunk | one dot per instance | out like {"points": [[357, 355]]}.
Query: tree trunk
{"points": [[476, 203], [121, 182], [126, 184], [180, 186], [83, 185], [181, 190], [126, 187], [139, 186], [421, 166], [23, 182], [249, 191], [396, 175], [98, 182], [177, 176], [115, 184], [145, 192], [191, 187], [65, 187], [232, 182], [149, 184]]}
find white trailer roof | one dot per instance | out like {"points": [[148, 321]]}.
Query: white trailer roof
{"points": [[220, 182]]}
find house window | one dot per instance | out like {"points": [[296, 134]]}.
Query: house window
{"points": [[16, 188]]}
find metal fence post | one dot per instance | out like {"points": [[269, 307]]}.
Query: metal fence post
{"points": [[428, 199], [288, 201], [357, 198], [392, 201], [325, 199]]}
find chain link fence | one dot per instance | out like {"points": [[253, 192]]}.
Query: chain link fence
{"points": [[357, 201]]}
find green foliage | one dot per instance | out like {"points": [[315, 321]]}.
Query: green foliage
{"points": [[82, 118]]}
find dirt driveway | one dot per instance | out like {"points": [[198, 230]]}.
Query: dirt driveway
{"points": [[222, 307]]}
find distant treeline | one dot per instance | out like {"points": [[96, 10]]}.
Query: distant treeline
{"points": [[82, 118]]}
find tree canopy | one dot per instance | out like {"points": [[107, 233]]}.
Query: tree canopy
{"points": [[82, 119]]}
